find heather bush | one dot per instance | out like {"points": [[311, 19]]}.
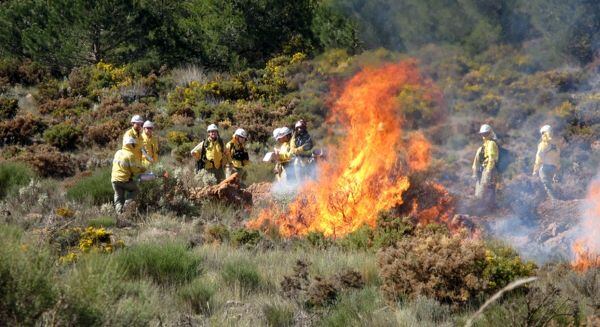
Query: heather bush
{"points": [[12, 177], [8, 107], [49, 90], [48, 161], [64, 136], [95, 188], [20, 130], [79, 79], [166, 263], [65, 108], [434, 264], [104, 133]]}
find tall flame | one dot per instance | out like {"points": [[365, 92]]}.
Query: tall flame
{"points": [[587, 247], [364, 173]]}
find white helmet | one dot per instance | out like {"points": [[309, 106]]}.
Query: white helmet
{"points": [[485, 128], [137, 119], [129, 140], [276, 132], [546, 129], [148, 124], [212, 127], [283, 131], [241, 133]]}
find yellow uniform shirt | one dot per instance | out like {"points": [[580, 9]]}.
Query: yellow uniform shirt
{"points": [[137, 149], [230, 149], [125, 166], [150, 145], [490, 155], [548, 153], [215, 156]]}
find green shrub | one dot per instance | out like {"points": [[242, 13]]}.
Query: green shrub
{"points": [[13, 176], [181, 152], [63, 136], [503, 265], [242, 272], [167, 263], [278, 315], [245, 236], [95, 188], [8, 107], [26, 285], [199, 295], [103, 221]]}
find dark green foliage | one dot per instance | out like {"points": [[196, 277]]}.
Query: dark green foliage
{"points": [[63, 136], [96, 188], [503, 265], [164, 263], [8, 107], [245, 237], [13, 176], [243, 272]]}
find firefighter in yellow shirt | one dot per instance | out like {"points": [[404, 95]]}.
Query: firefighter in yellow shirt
{"points": [[237, 156], [135, 132], [283, 155], [484, 168], [125, 166], [547, 161], [210, 154], [149, 144]]}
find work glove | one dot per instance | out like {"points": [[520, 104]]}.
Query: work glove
{"points": [[534, 173], [474, 177], [555, 179]]}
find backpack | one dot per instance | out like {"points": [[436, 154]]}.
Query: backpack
{"points": [[202, 161], [505, 158]]}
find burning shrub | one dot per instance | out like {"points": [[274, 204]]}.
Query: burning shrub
{"points": [[435, 264], [8, 107], [64, 136], [20, 130], [47, 161]]}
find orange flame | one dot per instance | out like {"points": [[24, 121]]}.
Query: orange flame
{"points": [[365, 173], [587, 247]]}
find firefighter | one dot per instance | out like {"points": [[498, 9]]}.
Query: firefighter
{"points": [[301, 146], [135, 132], [210, 154], [125, 165], [149, 144], [484, 168], [547, 161], [283, 154], [237, 156]]}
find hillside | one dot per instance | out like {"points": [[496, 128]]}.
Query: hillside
{"points": [[389, 232]]}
